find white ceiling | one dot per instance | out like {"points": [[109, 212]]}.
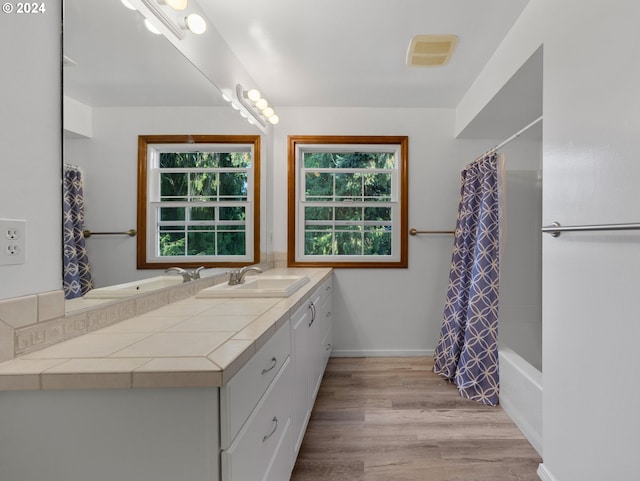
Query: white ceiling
{"points": [[347, 53], [352, 53]]}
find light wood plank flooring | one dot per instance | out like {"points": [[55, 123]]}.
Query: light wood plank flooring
{"points": [[393, 419]]}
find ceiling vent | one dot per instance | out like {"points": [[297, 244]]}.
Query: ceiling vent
{"points": [[431, 50]]}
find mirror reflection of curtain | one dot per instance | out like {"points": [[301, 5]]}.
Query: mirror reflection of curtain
{"points": [[467, 352], [77, 271]]}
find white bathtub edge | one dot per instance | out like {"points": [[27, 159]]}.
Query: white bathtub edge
{"points": [[521, 395]]}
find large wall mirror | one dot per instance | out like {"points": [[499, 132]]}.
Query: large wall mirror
{"points": [[121, 81]]}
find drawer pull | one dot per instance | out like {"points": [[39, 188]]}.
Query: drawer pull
{"points": [[328, 347], [275, 363], [313, 313], [275, 428]]}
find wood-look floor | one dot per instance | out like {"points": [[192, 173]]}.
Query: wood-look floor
{"points": [[393, 419]]}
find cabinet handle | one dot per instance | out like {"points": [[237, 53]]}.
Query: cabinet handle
{"points": [[328, 347], [275, 428], [313, 313], [275, 363], [328, 288], [328, 314]]}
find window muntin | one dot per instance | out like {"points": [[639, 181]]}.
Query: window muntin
{"points": [[349, 203], [201, 201]]}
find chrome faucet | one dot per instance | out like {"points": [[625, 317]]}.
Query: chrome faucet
{"points": [[186, 276], [237, 277], [195, 273]]}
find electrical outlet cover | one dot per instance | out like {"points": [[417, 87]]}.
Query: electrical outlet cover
{"points": [[12, 241]]}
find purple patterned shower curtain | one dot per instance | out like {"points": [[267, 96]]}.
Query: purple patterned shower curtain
{"points": [[467, 352], [77, 272]]}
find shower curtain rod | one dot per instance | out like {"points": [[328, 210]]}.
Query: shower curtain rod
{"points": [[513, 137]]}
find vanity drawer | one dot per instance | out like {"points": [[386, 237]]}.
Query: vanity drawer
{"points": [[242, 393], [325, 289], [263, 450]]}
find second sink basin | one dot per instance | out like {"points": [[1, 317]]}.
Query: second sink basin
{"points": [[129, 289], [257, 286]]}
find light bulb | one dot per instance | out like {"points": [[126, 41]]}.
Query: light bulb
{"points": [[262, 104], [253, 95], [128, 5], [177, 4], [196, 23], [268, 112], [151, 27], [274, 119]]}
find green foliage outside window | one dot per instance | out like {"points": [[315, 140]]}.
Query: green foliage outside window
{"points": [[355, 186], [208, 230]]}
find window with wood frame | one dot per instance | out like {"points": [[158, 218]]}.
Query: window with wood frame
{"points": [[198, 200], [348, 201]]}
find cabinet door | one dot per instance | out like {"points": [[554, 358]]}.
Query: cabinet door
{"points": [[300, 362]]}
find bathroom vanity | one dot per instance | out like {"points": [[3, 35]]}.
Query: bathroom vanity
{"points": [[164, 405]]}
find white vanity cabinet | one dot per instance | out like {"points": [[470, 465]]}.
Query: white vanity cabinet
{"points": [[311, 347], [183, 426], [255, 416]]}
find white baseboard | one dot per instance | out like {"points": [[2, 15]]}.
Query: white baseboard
{"points": [[382, 353], [544, 474]]}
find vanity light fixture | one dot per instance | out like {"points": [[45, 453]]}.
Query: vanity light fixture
{"points": [[257, 106], [177, 24], [195, 23], [176, 4], [128, 5], [151, 27]]}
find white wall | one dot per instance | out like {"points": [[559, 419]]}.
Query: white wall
{"points": [[30, 147], [390, 311], [109, 162], [590, 281]]}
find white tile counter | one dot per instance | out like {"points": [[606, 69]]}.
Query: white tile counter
{"points": [[188, 343]]}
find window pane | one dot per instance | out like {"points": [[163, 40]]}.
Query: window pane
{"points": [[348, 213], [348, 243], [232, 213], [318, 243], [234, 159], [202, 213], [377, 213], [173, 185], [204, 160], [231, 243], [377, 185], [234, 184], [201, 244], [349, 160], [349, 185], [377, 243], [318, 159], [318, 213], [172, 244], [203, 184], [172, 213], [318, 184]]}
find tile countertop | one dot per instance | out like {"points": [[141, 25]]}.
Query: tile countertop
{"points": [[189, 343]]}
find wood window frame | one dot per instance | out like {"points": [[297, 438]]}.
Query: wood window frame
{"points": [[293, 198], [143, 201]]}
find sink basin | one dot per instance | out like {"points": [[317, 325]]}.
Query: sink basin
{"points": [[129, 289], [258, 286]]}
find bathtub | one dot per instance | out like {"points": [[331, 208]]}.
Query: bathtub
{"points": [[521, 395]]}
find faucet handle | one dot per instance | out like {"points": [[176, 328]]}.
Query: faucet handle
{"points": [[195, 273]]}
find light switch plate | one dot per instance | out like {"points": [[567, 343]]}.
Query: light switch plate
{"points": [[13, 241]]}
